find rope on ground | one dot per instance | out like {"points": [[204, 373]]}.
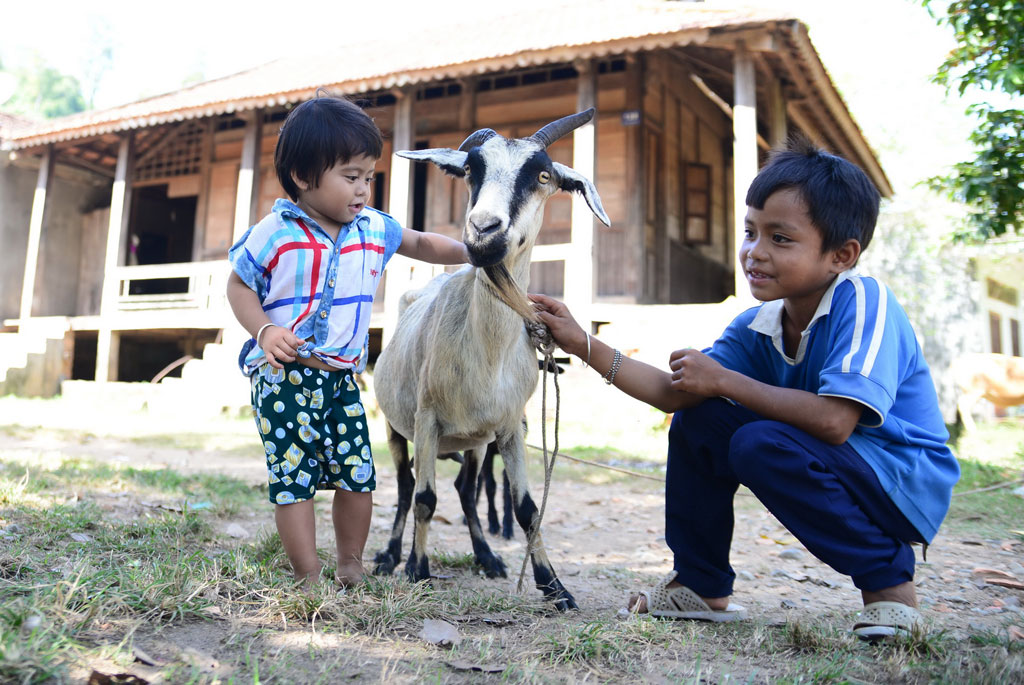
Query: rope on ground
{"points": [[997, 486], [599, 465]]}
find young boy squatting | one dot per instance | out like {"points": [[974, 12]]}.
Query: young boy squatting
{"points": [[302, 285], [819, 401]]}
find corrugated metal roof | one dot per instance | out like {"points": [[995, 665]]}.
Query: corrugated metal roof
{"points": [[484, 42]]}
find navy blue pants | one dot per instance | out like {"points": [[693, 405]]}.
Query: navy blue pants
{"points": [[827, 496]]}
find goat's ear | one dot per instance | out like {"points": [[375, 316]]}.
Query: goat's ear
{"points": [[451, 162], [574, 182]]}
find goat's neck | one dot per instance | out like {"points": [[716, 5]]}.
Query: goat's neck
{"points": [[492, 319]]}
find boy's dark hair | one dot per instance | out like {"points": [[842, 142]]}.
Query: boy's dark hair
{"points": [[841, 201], [320, 133]]}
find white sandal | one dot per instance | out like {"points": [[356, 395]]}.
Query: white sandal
{"points": [[682, 602], [879, 620]]}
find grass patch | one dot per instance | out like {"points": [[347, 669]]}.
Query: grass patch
{"points": [[20, 480], [85, 578]]}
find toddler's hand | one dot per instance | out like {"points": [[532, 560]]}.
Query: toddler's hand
{"points": [[278, 344], [694, 372]]}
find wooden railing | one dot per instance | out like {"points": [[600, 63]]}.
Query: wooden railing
{"points": [[195, 286]]}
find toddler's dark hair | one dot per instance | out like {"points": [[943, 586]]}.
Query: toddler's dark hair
{"points": [[320, 133], [841, 200]]}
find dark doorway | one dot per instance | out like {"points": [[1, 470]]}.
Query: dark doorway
{"points": [[419, 191], [162, 231]]}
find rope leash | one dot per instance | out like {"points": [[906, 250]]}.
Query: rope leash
{"points": [[542, 340]]}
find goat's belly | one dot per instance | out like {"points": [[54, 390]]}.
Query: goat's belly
{"points": [[459, 443]]}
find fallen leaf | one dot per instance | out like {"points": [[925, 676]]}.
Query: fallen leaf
{"points": [[144, 657], [440, 633], [237, 531], [483, 668], [989, 572], [80, 537], [97, 678], [211, 610], [1012, 584], [1016, 634]]}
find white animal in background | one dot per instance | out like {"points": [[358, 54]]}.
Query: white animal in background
{"points": [[998, 378]]}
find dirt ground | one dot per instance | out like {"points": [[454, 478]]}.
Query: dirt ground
{"points": [[604, 540]]}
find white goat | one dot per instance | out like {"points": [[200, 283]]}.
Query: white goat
{"points": [[460, 367]]}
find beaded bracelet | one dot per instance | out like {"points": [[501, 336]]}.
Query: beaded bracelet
{"points": [[609, 377]]}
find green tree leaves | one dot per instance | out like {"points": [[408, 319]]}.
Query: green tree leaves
{"points": [[42, 92], [989, 56]]}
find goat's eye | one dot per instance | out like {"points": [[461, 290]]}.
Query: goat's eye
{"points": [[466, 169], [544, 177]]}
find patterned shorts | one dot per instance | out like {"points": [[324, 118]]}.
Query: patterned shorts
{"points": [[314, 431]]}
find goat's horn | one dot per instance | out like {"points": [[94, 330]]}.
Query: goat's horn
{"points": [[477, 138], [557, 129]]}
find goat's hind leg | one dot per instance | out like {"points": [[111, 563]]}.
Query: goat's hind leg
{"points": [[387, 559], [492, 564], [513, 451], [485, 481]]}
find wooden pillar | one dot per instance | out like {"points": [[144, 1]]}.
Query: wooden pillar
{"points": [[634, 238], [744, 157], [777, 124], [401, 271], [579, 267], [35, 231], [467, 106], [117, 233], [248, 175]]}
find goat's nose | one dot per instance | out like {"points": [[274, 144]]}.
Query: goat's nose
{"points": [[486, 222]]}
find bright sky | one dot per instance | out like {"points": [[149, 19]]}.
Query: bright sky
{"points": [[880, 53]]}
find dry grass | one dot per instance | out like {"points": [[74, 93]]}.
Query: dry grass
{"points": [[91, 578]]}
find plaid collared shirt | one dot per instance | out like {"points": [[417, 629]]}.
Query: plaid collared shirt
{"points": [[320, 289]]}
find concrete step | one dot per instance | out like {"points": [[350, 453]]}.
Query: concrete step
{"points": [[32, 361]]}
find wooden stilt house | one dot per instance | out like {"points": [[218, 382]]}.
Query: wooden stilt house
{"points": [[127, 213]]}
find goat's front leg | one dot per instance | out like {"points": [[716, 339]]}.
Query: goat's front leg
{"points": [[425, 499], [387, 559], [513, 452], [491, 563]]}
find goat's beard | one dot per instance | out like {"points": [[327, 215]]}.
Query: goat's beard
{"points": [[507, 290]]}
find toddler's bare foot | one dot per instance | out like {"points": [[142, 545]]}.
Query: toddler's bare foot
{"points": [[349, 573]]}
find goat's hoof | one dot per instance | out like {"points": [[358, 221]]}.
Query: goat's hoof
{"points": [[566, 603], [493, 568], [384, 564], [417, 572], [561, 597], [493, 528], [508, 533]]}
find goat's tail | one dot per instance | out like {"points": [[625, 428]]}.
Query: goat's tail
{"points": [[508, 291]]}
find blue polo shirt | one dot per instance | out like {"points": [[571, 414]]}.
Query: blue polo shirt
{"points": [[861, 346]]}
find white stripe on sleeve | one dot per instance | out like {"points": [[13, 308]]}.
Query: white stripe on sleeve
{"points": [[858, 329], [876, 335]]}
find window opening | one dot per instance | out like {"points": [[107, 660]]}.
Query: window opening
{"points": [[697, 203], [179, 154]]}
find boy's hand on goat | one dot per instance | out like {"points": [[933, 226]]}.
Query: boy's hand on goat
{"points": [[279, 344], [556, 316], [695, 372]]}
